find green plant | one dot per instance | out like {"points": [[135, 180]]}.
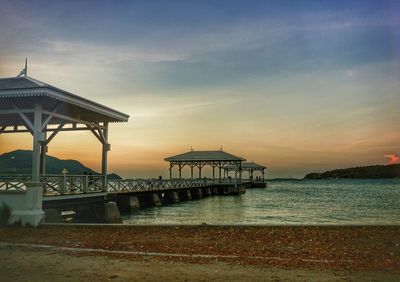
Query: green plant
{"points": [[17, 223], [5, 214]]}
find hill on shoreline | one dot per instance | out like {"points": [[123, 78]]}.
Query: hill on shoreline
{"points": [[362, 172], [20, 162]]}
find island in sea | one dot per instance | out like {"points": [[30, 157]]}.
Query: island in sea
{"points": [[363, 172], [20, 162]]}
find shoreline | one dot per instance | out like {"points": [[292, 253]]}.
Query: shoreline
{"points": [[218, 225], [361, 249]]}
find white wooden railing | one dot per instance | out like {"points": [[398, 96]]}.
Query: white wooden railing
{"points": [[79, 184]]}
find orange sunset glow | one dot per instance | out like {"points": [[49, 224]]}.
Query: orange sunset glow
{"points": [[392, 158], [262, 87]]}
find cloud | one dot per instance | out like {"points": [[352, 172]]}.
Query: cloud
{"points": [[392, 158]]}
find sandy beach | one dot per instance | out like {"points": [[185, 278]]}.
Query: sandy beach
{"points": [[200, 253]]}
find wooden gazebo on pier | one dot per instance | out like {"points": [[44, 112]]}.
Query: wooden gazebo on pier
{"points": [[29, 105], [214, 159], [250, 167]]}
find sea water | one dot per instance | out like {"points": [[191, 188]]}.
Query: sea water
{"points": [[287, 202]]}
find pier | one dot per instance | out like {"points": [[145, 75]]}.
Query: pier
{"points": [[86, 199], [31, 106]]}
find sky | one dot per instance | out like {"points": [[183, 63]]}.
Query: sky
{"points": [[297, 86]]}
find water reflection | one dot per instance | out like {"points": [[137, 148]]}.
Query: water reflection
{"points": [[288, 202]]}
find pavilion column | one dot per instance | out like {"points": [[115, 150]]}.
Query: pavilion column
{"points": [[213, 168], [180, 171], [236, 173], [191, 171], [170, 170], [105, 149], [37, 139], [30, 211], [43, 152], [200, 166], [263, 175], [240, 171], [251, 174]]}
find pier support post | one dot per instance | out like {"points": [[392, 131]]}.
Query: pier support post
{"points": [[111, 213], [206, 192], [155, 199], [185, 195], [214, 191], [197, 193], [134, 202], [171, 197], [234, 190]]}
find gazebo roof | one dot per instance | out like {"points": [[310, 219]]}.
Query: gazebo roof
{"points": [[252, 165], [219, 155], [247, 165], [25, 90]]}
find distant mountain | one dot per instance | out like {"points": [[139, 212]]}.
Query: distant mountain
{"points": [[363, 172], [20, 162]]}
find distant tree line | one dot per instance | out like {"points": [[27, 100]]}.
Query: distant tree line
{"points": [[362, 172]]}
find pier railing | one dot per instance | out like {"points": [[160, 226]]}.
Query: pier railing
{"points": [[14, 182], [80, 184], [144, 185]]}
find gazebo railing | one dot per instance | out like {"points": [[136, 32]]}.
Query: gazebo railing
{"points": [[55, 184], [14, 182]]}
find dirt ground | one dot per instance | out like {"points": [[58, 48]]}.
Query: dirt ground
{"points": [[29, 264], [200, 253]]}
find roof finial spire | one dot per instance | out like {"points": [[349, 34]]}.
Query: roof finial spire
{"points": [[221, 148], [24, 72], [191, 148]]}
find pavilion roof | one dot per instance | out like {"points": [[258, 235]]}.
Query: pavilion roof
{"points": [[25, 89], [219, 155], [248, 165]]}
